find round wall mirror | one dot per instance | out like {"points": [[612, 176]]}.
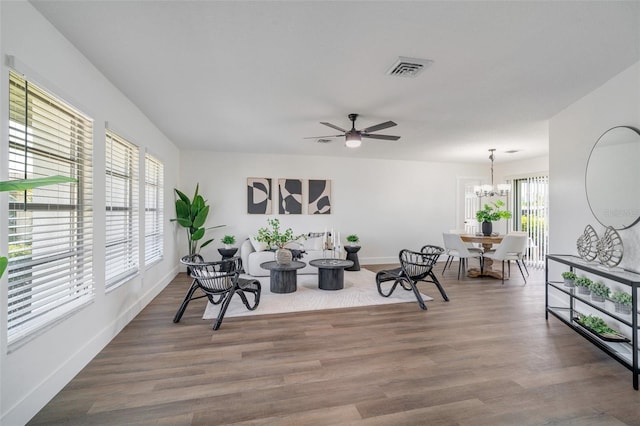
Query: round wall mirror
{"points": [[612, 179]]}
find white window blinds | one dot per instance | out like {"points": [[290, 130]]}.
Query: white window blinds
{"points": [[153, 209], [121, 190], [50, 228]]}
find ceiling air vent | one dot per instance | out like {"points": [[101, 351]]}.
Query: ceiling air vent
{"points": [[408, 67]]}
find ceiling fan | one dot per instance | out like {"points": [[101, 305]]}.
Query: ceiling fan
{"points": [[353, 137]]}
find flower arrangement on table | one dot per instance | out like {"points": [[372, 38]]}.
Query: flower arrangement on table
{"points": [[492, 213]]}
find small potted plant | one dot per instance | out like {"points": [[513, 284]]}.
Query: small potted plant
{"points": [[583, 283], [228, 241], [353, 239], [622, 301], [569, 278], [599, 291]]}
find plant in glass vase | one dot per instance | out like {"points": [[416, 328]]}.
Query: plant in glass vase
{"points": [[491, 213]]}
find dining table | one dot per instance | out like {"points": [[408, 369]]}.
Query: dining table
{"points": [[487, 242]]}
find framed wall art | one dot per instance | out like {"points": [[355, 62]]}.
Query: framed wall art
{"points": [[319, 196], [290, 196], [259, 199]]}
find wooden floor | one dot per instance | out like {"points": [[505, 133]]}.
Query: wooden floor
{"points": [[487, 357]]}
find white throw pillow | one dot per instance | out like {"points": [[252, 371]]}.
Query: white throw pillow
{"points": [[294, 245], [257, 245], [314, 243]]}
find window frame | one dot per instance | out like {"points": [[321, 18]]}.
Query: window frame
{"points": [[49, 231], [122, 225], [154, 229]]}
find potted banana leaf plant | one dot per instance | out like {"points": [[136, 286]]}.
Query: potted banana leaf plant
{"points": [[24, 185], [192, 214]]}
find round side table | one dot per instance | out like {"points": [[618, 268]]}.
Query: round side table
{"points": [[352, 255]]}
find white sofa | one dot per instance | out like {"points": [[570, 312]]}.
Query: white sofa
{"points": [[254, 253]]}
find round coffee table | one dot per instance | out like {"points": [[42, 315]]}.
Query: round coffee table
{"points": [[284, 278], [331, 272]]}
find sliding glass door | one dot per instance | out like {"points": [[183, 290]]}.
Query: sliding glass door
{"points": [[531, 210]]}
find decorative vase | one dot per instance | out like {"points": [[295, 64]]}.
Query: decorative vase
{"points": [[568, 283], [283, 256], [487, 228], [597, 298]]}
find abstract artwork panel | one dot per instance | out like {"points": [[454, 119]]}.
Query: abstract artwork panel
{"points": [[319, 196], [259, 196], [290, 196]]}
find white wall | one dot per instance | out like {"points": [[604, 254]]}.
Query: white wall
{"points": [[573, 132], [33, 373], [391, 205], [522, 168]]}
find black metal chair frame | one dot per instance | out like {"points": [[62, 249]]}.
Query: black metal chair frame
{"points": [[414, 267], [219, 281]]}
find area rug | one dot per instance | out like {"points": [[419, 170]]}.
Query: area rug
{"points": [[359, 290]]}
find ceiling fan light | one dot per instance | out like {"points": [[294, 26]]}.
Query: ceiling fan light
{"points": [[353, 140]]}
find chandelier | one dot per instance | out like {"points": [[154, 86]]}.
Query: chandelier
{"points": [[491, 190]]}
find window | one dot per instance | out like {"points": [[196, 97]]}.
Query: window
{"points": [[50, 228], [153, 209], [121, 190]]}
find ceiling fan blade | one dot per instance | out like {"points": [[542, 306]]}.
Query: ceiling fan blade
{"points": [[320, 137], [380, 126], [383, 137], [333, 126]]}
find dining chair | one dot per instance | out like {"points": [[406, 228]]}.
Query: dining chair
{"points": [[219, 281], [461, 232], [455, 247], [527, 248], [512, 247]]}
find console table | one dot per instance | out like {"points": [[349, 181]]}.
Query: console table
{"points": [[567, 304]]}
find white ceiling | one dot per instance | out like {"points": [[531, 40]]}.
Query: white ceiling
{"points": [[260, 76]]}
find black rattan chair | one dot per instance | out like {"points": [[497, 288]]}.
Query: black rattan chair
{"points": [[414, 267], [219, 281]]}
